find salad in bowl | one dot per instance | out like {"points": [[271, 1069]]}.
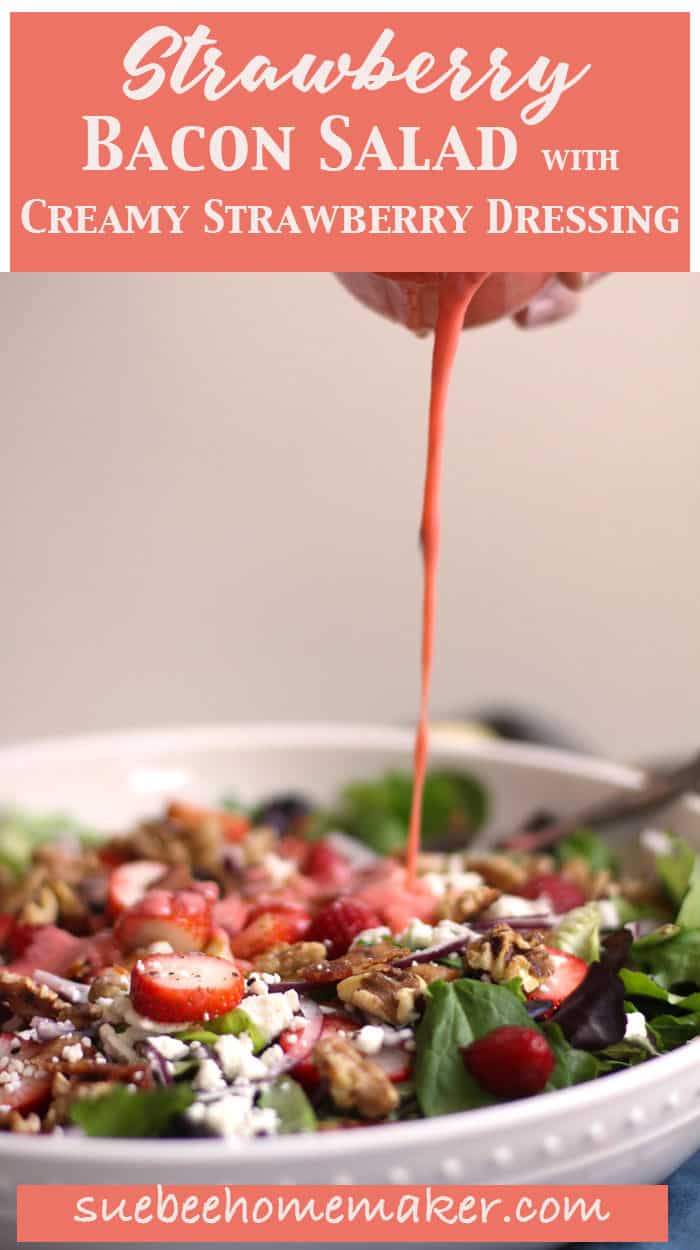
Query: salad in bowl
{"points": [[256, 970]]}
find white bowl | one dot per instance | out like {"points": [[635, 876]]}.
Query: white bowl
{"points": [[632, 1127]]}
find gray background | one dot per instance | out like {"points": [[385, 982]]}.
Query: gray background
{"points": [[210, 497]]}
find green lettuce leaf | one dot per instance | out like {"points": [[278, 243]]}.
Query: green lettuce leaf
{"points": [[579, 933], [22, 832], [126, 1113], [459, 1012], [670, 955], [377, 812], [294, 1111], [671, 1031], [590, 846]]}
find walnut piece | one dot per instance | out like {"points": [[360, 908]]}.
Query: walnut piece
{"points": [[500, 871], [461, 905], [25, 998], [358, 959], [288, 959], [504, 954], [355, 1082], [390, 993], [13, 1122]]}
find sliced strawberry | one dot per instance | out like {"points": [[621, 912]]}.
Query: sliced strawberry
{"points": [[177, 989], [231, 826], [562, 894], [299, 1042], [568, 973], [43, 946], [397, 1063], [292, 846], [23, 1088], [339, 922], [230, 913], [278, 906], [270, 929], [7, 924], [386, 892], [129, 882], [183, 919], [327, 866], [305, 1070]]}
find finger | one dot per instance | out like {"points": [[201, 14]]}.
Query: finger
{"points": [[553, 302]]}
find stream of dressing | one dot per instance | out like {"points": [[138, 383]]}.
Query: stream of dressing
{"points": [[455, 295]]}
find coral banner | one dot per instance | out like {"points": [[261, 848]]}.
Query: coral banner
{"points": [[316, 1213], [431, 141]]}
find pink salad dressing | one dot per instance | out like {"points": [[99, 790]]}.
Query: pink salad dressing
{"points": [[456, 292]]}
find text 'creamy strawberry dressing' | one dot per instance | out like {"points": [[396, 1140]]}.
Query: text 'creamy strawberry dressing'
{"points": [[455, 295]]}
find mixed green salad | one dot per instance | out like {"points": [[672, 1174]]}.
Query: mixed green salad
{"points": [[247, 972]]}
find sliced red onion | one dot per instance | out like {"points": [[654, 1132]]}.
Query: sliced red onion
{"points": [[71, 991], [433, 952], [159, 1063], [49, 1030], [302, 1044], [358, 854], [546, 920]]}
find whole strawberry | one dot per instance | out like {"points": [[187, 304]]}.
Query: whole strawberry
{"points": [[338, 924], [562, 894], [510, 1062]]}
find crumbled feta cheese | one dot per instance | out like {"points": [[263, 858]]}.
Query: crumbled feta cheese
{"points": [[233, 1115], [208, 1076], [421, 936], [160, 948], [72, 1054], [279, 870], [271, 1013], [514, 905], [460, 882], [370, 1039], [255, 984], [169, 1047], [368, 937], [417, 935], [609, 913], [272, 1058], [656, 842], [636, 1028]]}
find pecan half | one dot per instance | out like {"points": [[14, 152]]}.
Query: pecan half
{"points": [[355, 1082], [25, 998], [390, 993], [461, 905], [357, 960], [504, 954], [290, 958]]}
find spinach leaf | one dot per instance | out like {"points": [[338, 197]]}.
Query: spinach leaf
{"points": [[639, 985], [571, 1066], [377, 812], [675, 868], [672, 1031], [294, 1111], [590, 846], [671, 955], [459, 1012], [138, 1113]]}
